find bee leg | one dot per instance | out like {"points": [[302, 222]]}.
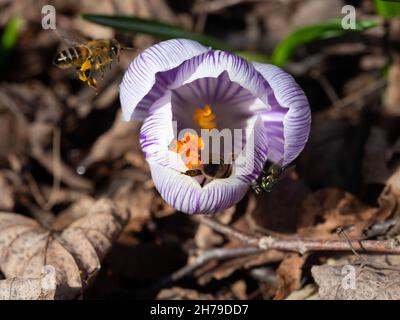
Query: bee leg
{"points": [[87, 65], [92, 81], [256, 188], [192, 173], [97, 63], [82, 70], [81, 75]]}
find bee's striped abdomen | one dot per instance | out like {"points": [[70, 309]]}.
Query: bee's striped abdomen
{"points": [[70, 57]]}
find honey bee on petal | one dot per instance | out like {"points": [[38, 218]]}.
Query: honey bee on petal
{"points": [[212, 171], [88, 57]]}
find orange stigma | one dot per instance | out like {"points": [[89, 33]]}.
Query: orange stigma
{"points": [[204, 118]]}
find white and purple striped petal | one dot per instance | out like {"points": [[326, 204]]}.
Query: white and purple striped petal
{"points": [[141, 75], [185, 193], [169, 81], [288, 123]]}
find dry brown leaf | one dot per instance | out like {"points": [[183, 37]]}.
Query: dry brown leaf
{"points": [[392, 97], [40, 136], [322, 11], [39, 288], [75, 211], [75, 253], [389, 199], [13, 127], [177, 293], [336, 208], [127, 189], [239, 289], [289, 275], [223, 269], [389, 203], [115, 143], [341, 209], [6, 194], [218, 270], [369, 283], [308, 292], [38, 111], [65, 196], [92, 30], [34, 100]]}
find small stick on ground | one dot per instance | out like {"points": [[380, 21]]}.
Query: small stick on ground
{"points": [[304, 245], [209, 255], [55, 191]]}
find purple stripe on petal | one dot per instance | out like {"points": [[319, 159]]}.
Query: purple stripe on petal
{"points": [[185, 194], [297, 120], [250, 162], [231, 112], [157, 133], [141, 75], [213, 64]]}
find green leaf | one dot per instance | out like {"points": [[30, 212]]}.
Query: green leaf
{"points": [[9, 39], [387, 8], [329, 29], [154, 28], [10, 34]]}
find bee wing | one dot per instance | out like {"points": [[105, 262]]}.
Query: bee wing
{"points": [[286, 171], [71, 38]]}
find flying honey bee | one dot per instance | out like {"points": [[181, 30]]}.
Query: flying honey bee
{"points": [[88, 57], [212, 171]]}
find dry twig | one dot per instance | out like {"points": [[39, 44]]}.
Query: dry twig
{"points": [[209, 255], [304, 245]]}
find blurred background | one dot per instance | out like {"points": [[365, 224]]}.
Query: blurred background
{"points": [[62, 146]]}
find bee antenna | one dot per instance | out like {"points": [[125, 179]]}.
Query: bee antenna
{"points": [[128, 48]]}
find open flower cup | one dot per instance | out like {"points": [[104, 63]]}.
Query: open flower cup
{"points": [[189, 97]]}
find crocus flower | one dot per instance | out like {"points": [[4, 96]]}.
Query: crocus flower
{"points": [[181, 86]]}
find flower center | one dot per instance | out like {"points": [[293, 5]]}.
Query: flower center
{"points": [[191, 144]]}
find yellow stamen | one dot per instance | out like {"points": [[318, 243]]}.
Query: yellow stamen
{"points": [[188, 147]]}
